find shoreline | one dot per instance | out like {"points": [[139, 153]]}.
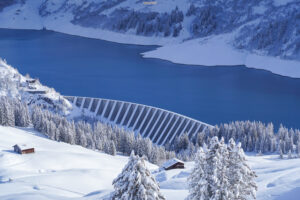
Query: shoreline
{"points": [[209, 52]]}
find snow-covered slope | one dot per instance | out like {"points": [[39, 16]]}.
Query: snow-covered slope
{"points": [[32, 92], [56, 170], [216, 51], [62, 171], [277, 179], [264, 33]]}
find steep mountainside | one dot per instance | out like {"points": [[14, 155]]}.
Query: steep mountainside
{"points": [[271, 27], [31, 91]]}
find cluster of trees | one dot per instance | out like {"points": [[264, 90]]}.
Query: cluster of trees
{"points": [[215, 17], [96, 136], [76, 7], [136, 182], [221, 172], [143, 23], [13, 113], [6, 3], [253, 136], [205, 21], [276, 34]]}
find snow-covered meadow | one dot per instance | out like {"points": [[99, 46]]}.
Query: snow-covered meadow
{"points": [[62, 171]]}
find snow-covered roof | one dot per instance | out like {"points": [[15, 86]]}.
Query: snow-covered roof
{"points": [[24, 146], [171, 162], [31, 80]]}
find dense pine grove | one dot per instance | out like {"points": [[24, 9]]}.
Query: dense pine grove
{"points": [[96, 135], [253, 136], [221, 172], [124, 19]]}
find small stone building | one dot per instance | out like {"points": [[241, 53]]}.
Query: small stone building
{"points": [[23, 149], [173, 164]]}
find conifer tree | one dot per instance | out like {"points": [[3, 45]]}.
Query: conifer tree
{"points": [[197, 182], [241, 177], [217, 181], [136, 182], [221, 173]]}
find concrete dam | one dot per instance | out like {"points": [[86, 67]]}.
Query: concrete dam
{"points": [[157, 124]]}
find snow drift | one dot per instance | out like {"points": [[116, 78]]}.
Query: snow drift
{"points": [[61, 171]]}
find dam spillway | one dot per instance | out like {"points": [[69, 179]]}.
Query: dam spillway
{"points": [[159, 125]]}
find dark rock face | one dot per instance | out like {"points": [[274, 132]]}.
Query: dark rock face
{"points": [[6, 3]]}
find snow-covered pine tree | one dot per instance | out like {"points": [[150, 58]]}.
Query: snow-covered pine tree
{"points": [[7, 112], [225, 192], [136, 182], [22, 117], [290, 155], [280, 153], [197, 182], [217, 181], [241, 177], [298, 148], [113, 150]]}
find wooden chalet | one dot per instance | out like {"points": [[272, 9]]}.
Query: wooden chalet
{"points": [[31, 81], [173, 164], [23, 149]]}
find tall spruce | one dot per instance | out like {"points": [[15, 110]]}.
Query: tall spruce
{"points": [[136, 182], [241, 177], [197, 180], [221, 173]]}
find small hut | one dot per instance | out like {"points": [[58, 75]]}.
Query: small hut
{"points": [[31, 81], [173, 164], [23, 149]]}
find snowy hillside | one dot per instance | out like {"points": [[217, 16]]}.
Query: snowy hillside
{"points": [[31, 91], [62, 171], [56, 171], [261, 34]]}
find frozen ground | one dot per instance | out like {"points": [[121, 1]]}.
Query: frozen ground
{"points": [[62, 171], [56, 171], [216, 51]]}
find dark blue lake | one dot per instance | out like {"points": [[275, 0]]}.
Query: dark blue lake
{"points": [[87, 67]]}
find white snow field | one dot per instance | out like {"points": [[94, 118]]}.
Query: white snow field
{"points": [[62, 171], [216, 51]]}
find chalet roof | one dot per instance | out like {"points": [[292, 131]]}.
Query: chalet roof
{"points": [[35, 91], [23, 146], [31, 80], [171, 162]]}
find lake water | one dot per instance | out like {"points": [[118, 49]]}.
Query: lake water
{"points": [[87, 67]]}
